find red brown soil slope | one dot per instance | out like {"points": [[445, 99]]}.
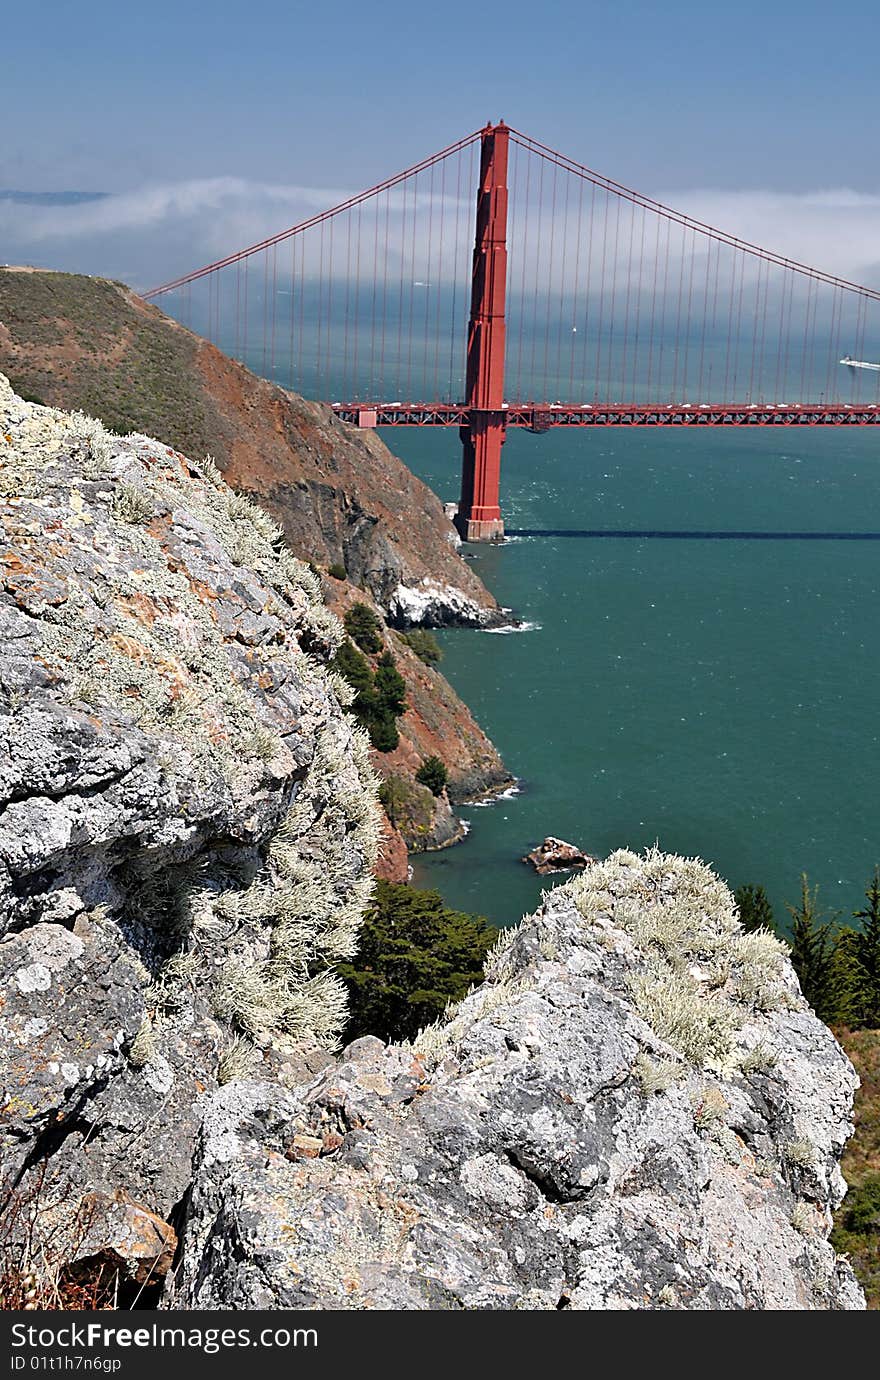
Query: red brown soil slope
{"points": [[436, 724]]}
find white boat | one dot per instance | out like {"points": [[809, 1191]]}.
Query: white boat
{"points": [[859, 364]]}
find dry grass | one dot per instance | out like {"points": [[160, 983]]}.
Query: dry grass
{"points": [[42, 1225]]}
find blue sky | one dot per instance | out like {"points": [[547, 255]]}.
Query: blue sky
{"points": [[717, 106], [776, 94]]}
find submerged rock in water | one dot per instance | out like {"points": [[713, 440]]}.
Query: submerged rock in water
{"points": [[637, 1110], [555, 855]]}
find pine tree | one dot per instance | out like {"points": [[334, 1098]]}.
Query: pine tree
{"points": [[363, 627], [383, 731], [390, 686], [866, 968], [812, 954], [433, 774], [755, 910], [355, 668], [414, 956], [379, 696], [845, 977]]}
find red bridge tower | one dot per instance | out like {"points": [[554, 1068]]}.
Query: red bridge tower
{"points": [[479, 514]]}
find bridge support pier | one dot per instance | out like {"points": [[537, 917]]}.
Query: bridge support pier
{"points": [[479, 512]]}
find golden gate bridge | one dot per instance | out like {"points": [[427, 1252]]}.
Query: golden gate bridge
{"points": [[577, 302]]}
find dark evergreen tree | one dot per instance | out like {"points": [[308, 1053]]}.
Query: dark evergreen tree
{"points": [[433, 774], [383, 731], [844, 971], [364, 628], [414, 957], [755, 910], [812, 954], [355, 668], [390, 686], [380, 695], [866, 967]]}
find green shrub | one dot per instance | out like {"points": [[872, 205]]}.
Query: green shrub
{"points": [[409, 807], [424, 644], [337, 571], [433, 774], [379, 696], [861, 1209], [364, 628], [813, 943], [857, 1234], [383, 732], [415, 957], [390, 685], [755, 910]]}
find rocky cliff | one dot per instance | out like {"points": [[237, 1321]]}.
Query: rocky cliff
{"points": [[340, 496], [188, 822], [635, 1111], [339, 493]]}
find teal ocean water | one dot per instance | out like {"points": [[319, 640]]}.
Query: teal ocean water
{"points": [[714, 692], [719, 696]]}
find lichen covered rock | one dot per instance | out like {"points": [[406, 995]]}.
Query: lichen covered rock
{"points": [[635, 1111], [187, 816]]}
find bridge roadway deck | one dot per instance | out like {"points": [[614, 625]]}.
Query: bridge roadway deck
{"points": [[539, 417]]}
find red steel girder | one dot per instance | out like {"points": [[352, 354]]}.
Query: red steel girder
{"points": [[540, 417]]}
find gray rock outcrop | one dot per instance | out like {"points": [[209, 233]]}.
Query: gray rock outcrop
{"points": [[187, 816], [636, 1111]]}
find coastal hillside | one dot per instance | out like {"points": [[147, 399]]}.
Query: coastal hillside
{"points": [[435, 724], [635, 1110], [344, 502], [342, 498]]}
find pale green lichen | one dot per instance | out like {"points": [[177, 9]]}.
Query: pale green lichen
{"points": [[261, 946], [710, 1107], [800, 1153], [497, 962], [142, 1049], [131, 504], [803, 1218], [655, 1075], [241, 1060], [759, 1059], [697, 1023], [436, 1040], [701, 975]]}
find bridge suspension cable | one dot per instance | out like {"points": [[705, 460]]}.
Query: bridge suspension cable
{"points": [[617, 304]]}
